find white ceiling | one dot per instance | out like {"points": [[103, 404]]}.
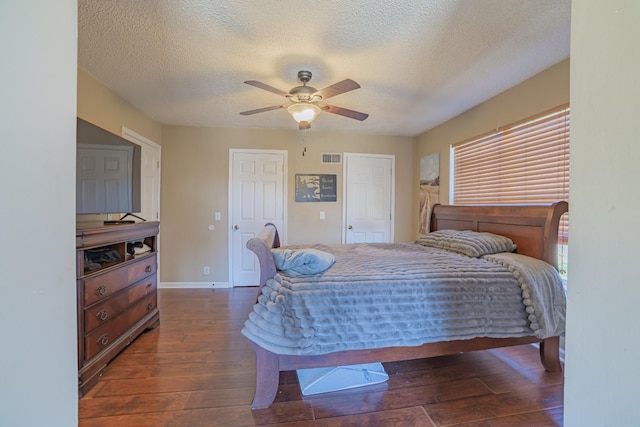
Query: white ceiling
{"points": [[419, 62]]}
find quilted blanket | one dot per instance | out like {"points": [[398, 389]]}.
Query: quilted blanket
{"points": [[389, 294]]}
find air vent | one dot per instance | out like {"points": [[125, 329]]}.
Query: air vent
{"points": [[332, 158]]}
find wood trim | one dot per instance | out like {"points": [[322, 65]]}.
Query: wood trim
{"points": [[99, 235]]}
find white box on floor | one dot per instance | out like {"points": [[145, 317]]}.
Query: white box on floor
{"points": [[324, 380]]}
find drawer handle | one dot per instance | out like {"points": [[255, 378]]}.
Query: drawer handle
{"points": [[149, 285], [102, 315], [149, 306], [147, 269], [101, 290], [103, 340]]}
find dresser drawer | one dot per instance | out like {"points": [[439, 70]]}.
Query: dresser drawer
{"points": [[105, 310], [104, 285], [106, 334]]}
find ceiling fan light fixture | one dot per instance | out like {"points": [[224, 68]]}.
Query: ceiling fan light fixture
{"points": [[303, 112], [307, 102]]}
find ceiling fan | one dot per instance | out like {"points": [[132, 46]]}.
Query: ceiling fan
{"points": [[306, 102]]}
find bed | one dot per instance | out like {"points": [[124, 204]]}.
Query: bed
{"points": [[289, 330]]}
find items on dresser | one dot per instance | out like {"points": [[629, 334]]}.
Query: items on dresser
{"points": [[137, 248], [116, 287]]}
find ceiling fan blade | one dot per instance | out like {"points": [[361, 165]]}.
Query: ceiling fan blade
{"points": [[265, 86], [338, 88], [344, 112], [262, 110]]}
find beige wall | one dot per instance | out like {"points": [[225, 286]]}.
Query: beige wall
{"points": [[195, 168], [195, 173], [99, 105], [543, 91], [195, 180]]}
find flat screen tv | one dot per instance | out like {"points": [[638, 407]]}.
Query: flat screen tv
{"points": [[107, 172]]}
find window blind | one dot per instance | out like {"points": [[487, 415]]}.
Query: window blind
{"points": [[522, 163]]}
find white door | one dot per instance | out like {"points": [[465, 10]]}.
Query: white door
{"points": [[149, 175], [257, 195], [368, 198]]}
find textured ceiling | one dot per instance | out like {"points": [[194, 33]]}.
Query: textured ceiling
{"points": [[419, 62]]}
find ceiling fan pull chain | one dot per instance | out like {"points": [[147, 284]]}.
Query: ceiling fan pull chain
{"points": [[304, 146]]}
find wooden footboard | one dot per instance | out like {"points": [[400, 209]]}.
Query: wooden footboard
{"points": [[534, 229], [269, 365]]}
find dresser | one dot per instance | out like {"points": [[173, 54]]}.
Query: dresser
{"points": [[116, 285]]}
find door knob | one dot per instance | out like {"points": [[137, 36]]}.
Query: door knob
{"points": [[235, 227], [350, 227]]}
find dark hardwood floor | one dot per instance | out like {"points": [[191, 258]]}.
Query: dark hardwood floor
{"points": [[196, 369]]}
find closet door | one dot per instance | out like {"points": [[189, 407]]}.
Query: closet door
{"points": [[368, 198]]}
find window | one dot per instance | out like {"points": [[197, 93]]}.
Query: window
{"points": [[522, 163]]}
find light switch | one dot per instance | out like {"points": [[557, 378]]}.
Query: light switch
{"points": [[321, 214], [217, 216]]}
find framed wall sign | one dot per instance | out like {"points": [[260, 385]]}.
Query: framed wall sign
{"points": [[316, 188]]}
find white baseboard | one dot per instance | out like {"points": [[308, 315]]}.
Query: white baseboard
{"points": [[193, 285]]}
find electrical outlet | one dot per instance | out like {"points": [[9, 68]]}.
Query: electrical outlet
{"points": [[205, 270]]}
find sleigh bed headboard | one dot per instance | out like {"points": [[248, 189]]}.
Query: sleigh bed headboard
{"points": [[533, 228]]}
